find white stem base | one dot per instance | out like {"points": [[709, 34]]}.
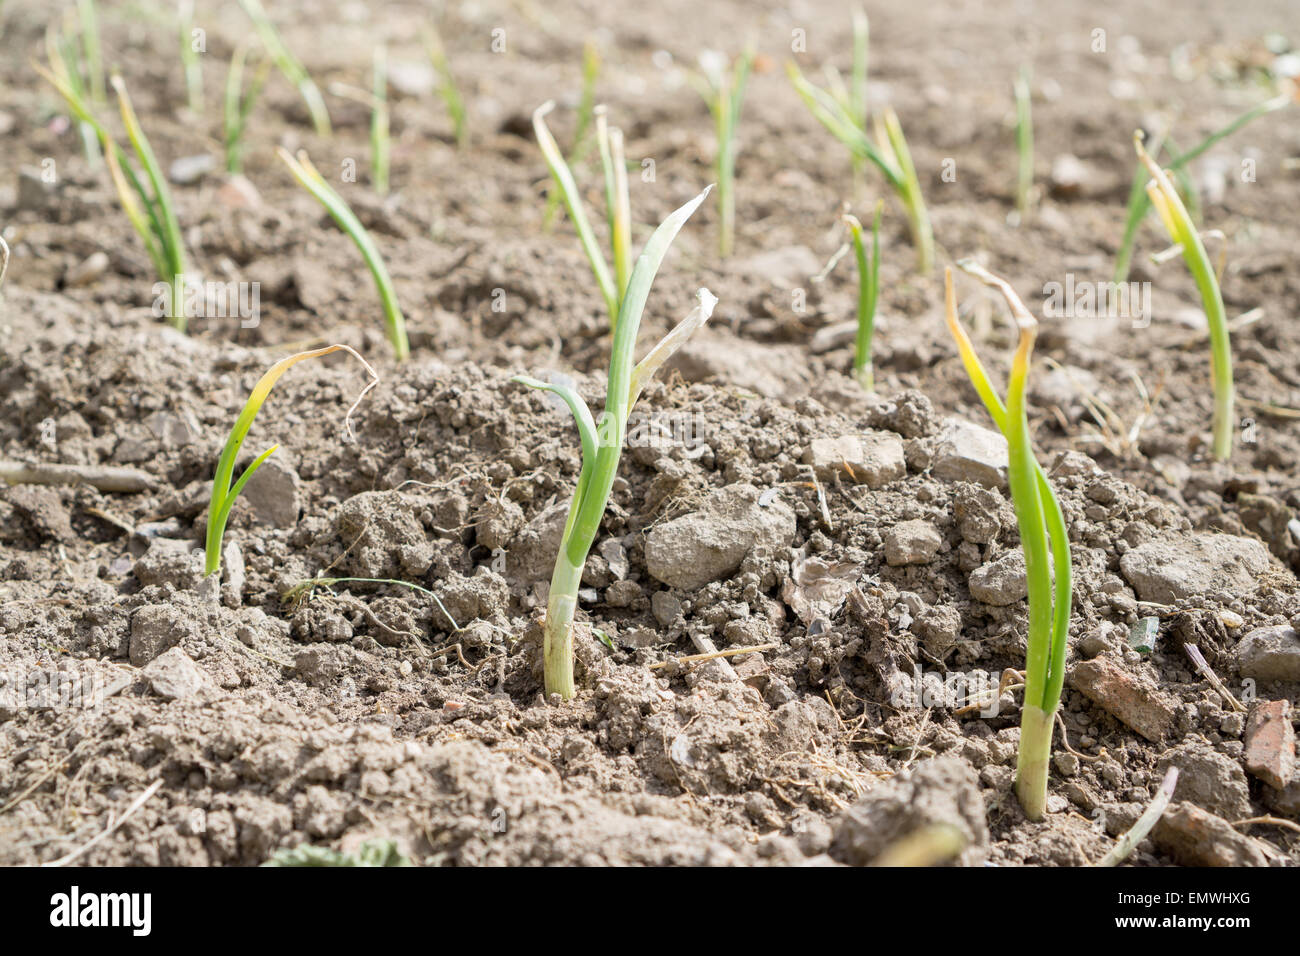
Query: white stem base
{"points": [[1031, 763]]}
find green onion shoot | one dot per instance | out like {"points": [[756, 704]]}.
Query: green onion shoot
{"points": [[341, 213], [225, 489], [602, 443], [1042, 533], [1182, 233]]}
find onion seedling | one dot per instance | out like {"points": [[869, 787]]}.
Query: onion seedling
{"points": [[225, 489], [190, 58], [582, 127], [610, 289], [90, 49], [1182, 233], [602, 443], [80, 67], [723, 88], [341, 213], [853, 96], [160, 230], [618, 209], [858, 103], [889, 153], [868, 294], [1024, 142], [1042, 527], [447, 88], [376, 99], [289, 66], [238, 105], [379, 143], [1138, 203], [150, 211]]}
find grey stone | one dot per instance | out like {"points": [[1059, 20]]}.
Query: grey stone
{"points": [[499, 527], [384, 537], [1065, 387], [713, 355], [170, 561], [912, 542], [939, 629], [412, 78], [1269, 653], [1000, 582], [1069, 176], [697, 548], [665, 607], [964, 451], [86, 271], [484, 595], [978, 513], [532, 556], [34, 193], [1210, 780], [232, 564], [175, 676], [272, 493], [787, 267], [943, 790], [187, 170], [156, 628], [1176, 566], [873, 459], [174, 429]]}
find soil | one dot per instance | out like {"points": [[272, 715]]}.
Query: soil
{"points": [[865, 541]]}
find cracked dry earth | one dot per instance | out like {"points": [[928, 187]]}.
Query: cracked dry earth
{"points": [[864, 546]]}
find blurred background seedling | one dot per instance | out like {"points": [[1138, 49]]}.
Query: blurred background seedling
{"points": [[311, 180], [837, 110], [239, 104], [582, 129], [448, 90], [289, 66], [190, 59], [722, 86]]}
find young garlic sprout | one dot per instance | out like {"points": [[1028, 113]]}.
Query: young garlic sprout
{"points": [[150, 211], [868, 295], [889, 153], [1042, 532], [79, 66], [341, 213], [1024, 143], [586, 114], [379, 139], [190, 58], [1138, 203], [602, 442], [224, 488], [1182, 233], [239, 104], [289, 66], [448, 91], [722, 87], [612, 283]]}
